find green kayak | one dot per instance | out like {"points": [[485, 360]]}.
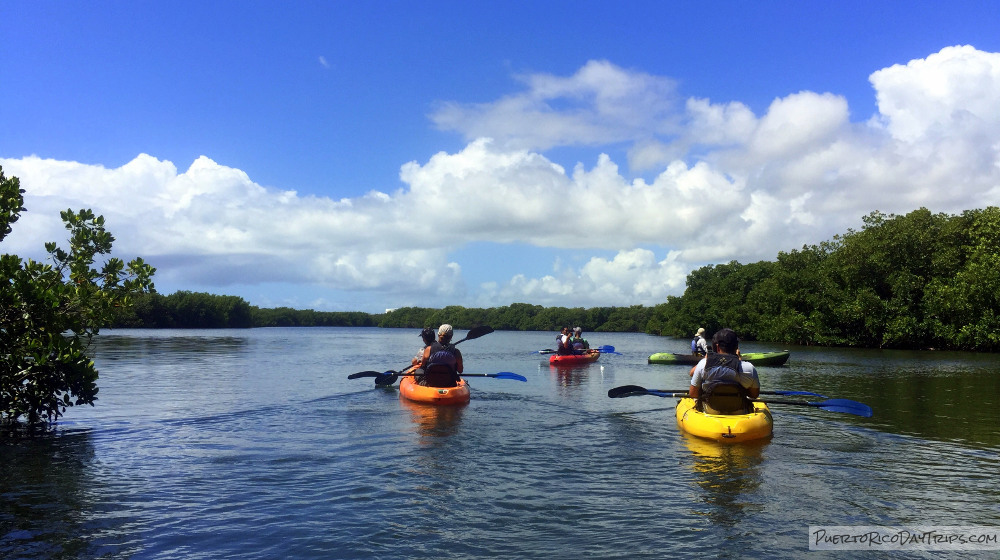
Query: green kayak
{"points": [[755, 358]]}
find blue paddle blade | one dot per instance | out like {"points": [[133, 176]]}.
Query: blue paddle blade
{"points": [[500, 375], [845, 405]]}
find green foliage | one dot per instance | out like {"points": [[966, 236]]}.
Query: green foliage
{"points": [[192, 310], [50, 312], [915, 281], [198, 310], [522, 317], [288, 317]]}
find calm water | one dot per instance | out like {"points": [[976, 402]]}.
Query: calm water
{"points": [[254, 444]]}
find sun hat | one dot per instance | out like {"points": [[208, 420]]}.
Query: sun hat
{"points": [[445, 330], [578, 330], [700, 332]]}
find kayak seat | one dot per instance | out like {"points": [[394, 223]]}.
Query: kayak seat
{"points": [[726, 399], [439, 375]]}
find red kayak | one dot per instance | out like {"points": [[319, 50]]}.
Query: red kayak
{"points": [[574, 359]]}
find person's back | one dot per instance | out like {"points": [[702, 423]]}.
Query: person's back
{"points": [[722, 383], [579, 344], [698, 344], [442, 362], [441, 367], [722, 390]]}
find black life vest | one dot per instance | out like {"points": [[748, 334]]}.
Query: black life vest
{"points": [[441, 369]]}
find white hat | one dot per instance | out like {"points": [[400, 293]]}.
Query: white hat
{"points": [[578, 330], [700, 332], [445, 330]]}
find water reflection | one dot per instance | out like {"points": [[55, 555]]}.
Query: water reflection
{"points": [[121, 345], [569, 376], [52, 504], [950, 396], [728, 474], [434, 421]]}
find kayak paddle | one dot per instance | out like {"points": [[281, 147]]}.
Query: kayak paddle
{"points": [[606, 349], [383, 379], [476, 332], [684, 391], [498, 375], [846, 406], [389, 377]]}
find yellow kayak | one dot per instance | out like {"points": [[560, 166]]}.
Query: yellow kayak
{"points": [[725, 427]]}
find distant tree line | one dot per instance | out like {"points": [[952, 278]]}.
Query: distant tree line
{"points": [[196, 310], [205, 311], [523, 317], [921, 280]]}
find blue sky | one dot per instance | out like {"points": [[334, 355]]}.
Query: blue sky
{"points": [[369, 155]]}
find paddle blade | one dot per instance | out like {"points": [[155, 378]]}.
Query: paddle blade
{"points": [[546, 351], [627, 391], [500, 375], [608, 349], [386, 379], [364, 374], [477, 332], [846, 406]]}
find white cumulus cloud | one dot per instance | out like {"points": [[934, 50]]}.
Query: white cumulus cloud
{"points": [[727, 184]]}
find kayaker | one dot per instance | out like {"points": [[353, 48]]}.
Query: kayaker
{"points": [[563, 345], [698, 343], [579, 344], [442, 361], [722, 382], [428, 335]]}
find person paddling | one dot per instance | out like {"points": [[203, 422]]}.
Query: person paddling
{"points": [[578, 343], [427, 334], [563, 345], [698, 343], [721, 382], [442, 361]]}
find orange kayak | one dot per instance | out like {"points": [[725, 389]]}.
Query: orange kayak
{"points": [[573, 359], [409, 389]]}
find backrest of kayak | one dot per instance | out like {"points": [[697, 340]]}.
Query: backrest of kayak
{"points": [[439, 375], [726, 399]]}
